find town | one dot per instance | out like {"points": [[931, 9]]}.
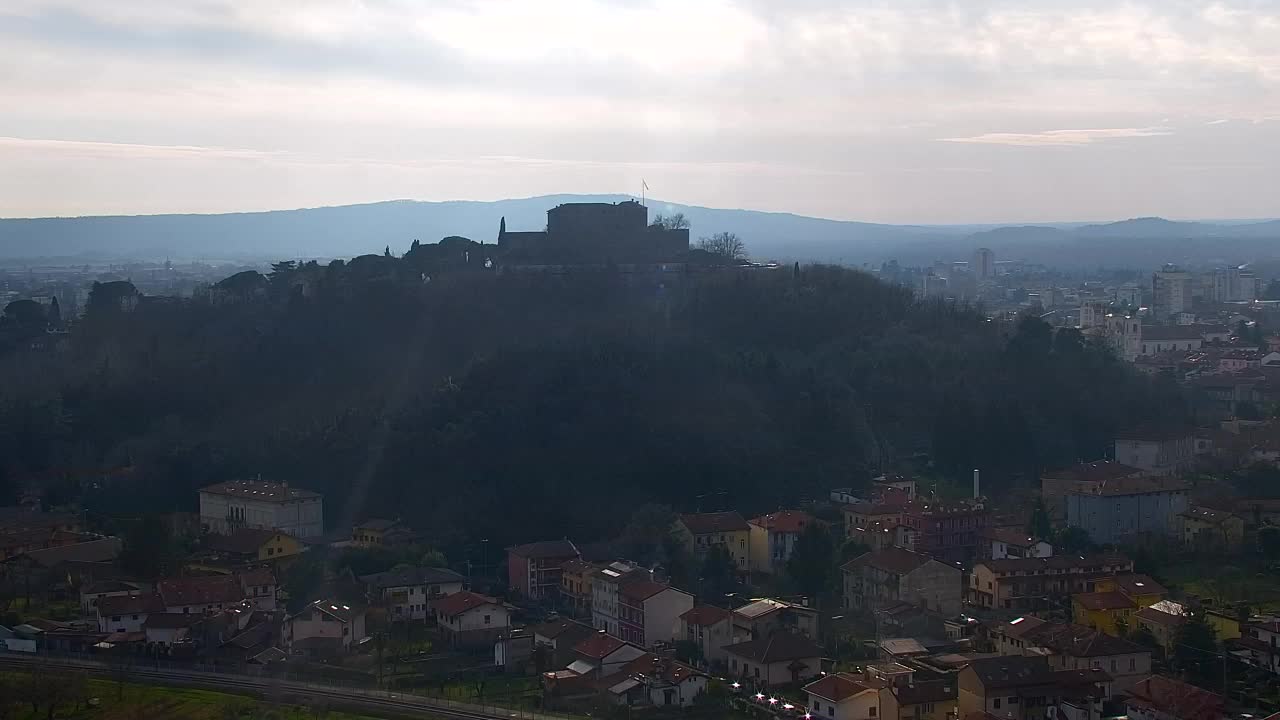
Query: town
{"points": [[1101, 595]]}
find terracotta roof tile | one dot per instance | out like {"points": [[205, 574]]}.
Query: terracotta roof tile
{"points": [[719, 522]]}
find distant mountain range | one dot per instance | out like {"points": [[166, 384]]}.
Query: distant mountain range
{"points": [[358, 229]]}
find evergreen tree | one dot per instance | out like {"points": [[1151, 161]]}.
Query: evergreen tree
{"points": [[1195, 652], [812, 563], [1040, 528]]}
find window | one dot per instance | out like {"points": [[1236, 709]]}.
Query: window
{"points": [[346, 631], [486, 619], [831, 710], [135, 617], [1113, 665], [1013, 700], [872, 711], [757, 672], [996, 704], [1133, 664], [115, 618], [817, 705]]}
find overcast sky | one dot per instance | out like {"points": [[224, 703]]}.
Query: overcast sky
{"points": [[894, 111]]}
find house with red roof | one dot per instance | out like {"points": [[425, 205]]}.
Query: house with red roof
{"points": [[127, 613], [602, 655], [199, 595], [654, 681], [711, 629], [468, 619], [843, 696], [773, 538], [649, 612], [1161, 698]]}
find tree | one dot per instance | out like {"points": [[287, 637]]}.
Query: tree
{"points": [[1073, 541], [726, 245], [852, 549], [1269, 542], [689, 652], [148, 548], [644, 538], [719, 575], [434, 558], [27, 315], [55, 314], [676, 221], [812, 563], [1040, 528], [1195, 651]]}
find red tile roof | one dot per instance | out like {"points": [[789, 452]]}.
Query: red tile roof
{"points": [[705, 615], [785, 521], [642, 590], [1139, 584], [130, 605], [891, 559], [460, 602], [781, 646], [1103, 600], [177, 592], [598, 646], [837, 687], [1177, 699], [718, 522]]}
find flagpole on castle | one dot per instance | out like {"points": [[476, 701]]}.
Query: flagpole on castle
{"points": [[643, 186]]}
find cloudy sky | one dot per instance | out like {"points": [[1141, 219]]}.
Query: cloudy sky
{"points": [[897, 111]]}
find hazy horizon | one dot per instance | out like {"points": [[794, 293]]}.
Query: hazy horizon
{"points": [[915, 112]]}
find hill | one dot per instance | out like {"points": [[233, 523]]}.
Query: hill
{"points": [[517, 405]]}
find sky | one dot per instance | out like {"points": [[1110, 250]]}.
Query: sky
{"points": [[905, 111]]}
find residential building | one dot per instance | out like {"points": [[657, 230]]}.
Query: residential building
{"points": [[606, 588], [932, 700], [1203, 528], [1121, 510], [1115, 601], [199, 595], [1262, 640], [1156, 452], [649, 612], [1074, 647], [894, 575], [780, 659], [534, 570], [247, 544], [602, 655], [1001, 543], [325, 628], [866, 516], [468, 619], [1171, 290], [711, 629], [374, 532], [1084, 477], [558, 638], [408, 591], [984, 264], [702, 531], [893, 488], [1157, 339], [1164, 619], [765, 616], [259, 587], [946, 531], [92, 593], [168, 629], [773, 537], [576, 577], [1023, 688], [1038, 583], [127, 613], [255, 504], [1161, 698], [843, 696], [656, 682]]}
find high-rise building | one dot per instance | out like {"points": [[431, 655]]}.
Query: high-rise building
{"points": [[1171, 291], [1226, 285], [984, 264]]}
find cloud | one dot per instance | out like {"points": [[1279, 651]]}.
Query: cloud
{"points": [[1060, 138]]}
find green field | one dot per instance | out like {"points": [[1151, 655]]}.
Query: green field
{"points": [[147, 702], [1227, 584]]}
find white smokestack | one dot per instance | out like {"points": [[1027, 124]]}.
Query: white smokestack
{"points": [[976, 493]]}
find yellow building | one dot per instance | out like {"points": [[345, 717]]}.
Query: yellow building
{"points": [[254, 544], [1224, 626], [1205, 528], [1115, 601], [701, 531], [372, 532], [1163, 619], [576, 586]]}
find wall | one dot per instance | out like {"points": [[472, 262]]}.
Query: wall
{"points": [[126, 623], [313, 623], [934, 586], [302, 518], [858, 707], [662, 615], [1110, 518], [773, 674]]}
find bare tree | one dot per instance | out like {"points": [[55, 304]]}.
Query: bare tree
{"points": [[671, 222], [725, 244]]}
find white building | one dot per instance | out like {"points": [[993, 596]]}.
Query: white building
{"points": [[325, 628], [605, 587], [843, 697], [650, 612], [127, 613], [1172, 290], [228, 506], [407, 591], [468, 619]]}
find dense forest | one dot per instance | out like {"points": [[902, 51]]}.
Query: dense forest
{"points": [[515, 406]]}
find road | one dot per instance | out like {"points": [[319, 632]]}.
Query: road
{"points": [[353, 699]]}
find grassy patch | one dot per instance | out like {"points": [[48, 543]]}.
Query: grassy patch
{"points": [[1227, 584], [151, 702]]}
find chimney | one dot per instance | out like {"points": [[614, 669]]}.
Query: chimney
{"points": [[976, 493]]}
